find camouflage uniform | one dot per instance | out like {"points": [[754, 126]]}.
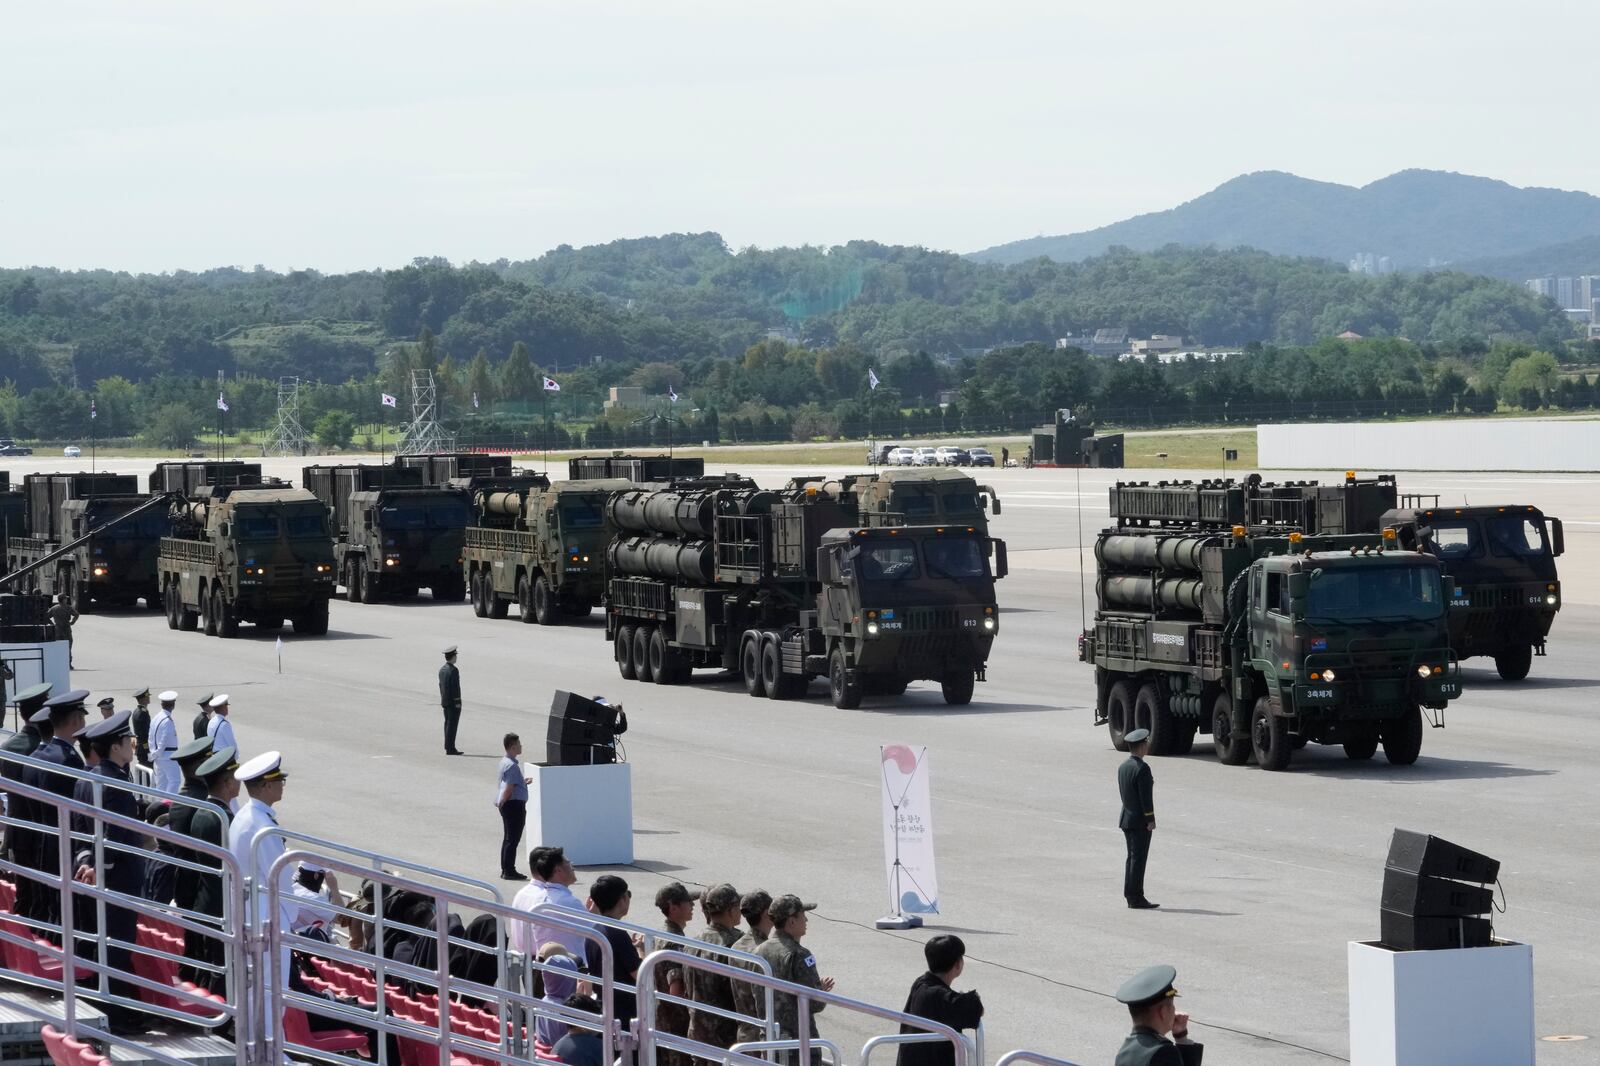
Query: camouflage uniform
{"points": [[714, 990], [670, 1017], [792, 962], [749, 1000]]}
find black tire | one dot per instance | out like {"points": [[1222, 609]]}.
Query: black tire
{"points": [[1151, 711], [750, 666], [170, 602], [957, 687], [1402, 737], [1514, 663], [524, 600], [208, 603], [352, 582], [663, 667], [226, 616], [1269, 737], [1232, 748], [188, 620], [313, 621], [1119, 713], [1362, 743], [641, 654], [480, 605], [1183, 736], [544, 603], [371, 585], [772, 676], [846, 695], [498, 608], [624, 652]]}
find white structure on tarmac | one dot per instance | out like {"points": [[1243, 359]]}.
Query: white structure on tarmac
{"points": [[1533, 444]]}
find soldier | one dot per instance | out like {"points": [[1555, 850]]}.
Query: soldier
{"points": [[108, 706], [203, 719], [219, 729], [721, 904], [1149, 995], [677, 907], [748, 999], [1136, 785], [141, 725], [164, 740], [263, 777], [25, 741], [67, 716], [180, 883], [121, 860], [450, 699], [63, 618], [791, 961], [211, 824]]}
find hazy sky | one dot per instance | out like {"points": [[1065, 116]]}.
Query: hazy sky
{"points": [[151, 136]]}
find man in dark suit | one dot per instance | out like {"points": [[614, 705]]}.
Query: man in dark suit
{"points": [[67, 715], [1136, 785], [1149, 995], [450, 698], [210, 824]]}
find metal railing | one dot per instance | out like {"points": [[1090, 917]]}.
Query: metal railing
{"points": [[1010, 1058]]}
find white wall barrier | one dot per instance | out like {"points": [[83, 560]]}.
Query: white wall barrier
{"points": [[1511, 444]]}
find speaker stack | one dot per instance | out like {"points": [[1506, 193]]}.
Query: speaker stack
{"points": [[1436, 894], [582, 732]]}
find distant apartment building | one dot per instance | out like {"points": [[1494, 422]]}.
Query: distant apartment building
{"points": [[626, 398], [1541, 286], [1572, 293], [1371, 263]]}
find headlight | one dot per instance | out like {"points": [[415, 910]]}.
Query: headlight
{"points": [[322, 568], [391, 562], [1550, 599], [101, 571], [1424, 672], [988, 624], [872, 629], [1328, 675]]}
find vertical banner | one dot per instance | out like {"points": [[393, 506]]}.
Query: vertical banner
{"points": [[908, 830]]}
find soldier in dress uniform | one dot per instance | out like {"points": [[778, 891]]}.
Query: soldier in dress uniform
{"points": [[220, 729], [164, 741], [1149, 995], [181, 886], [1136, 785], [141, 725], [203, 719], [792, 961], [721, 904], [215, 775], [67, 715], [107, 705], [450, 699], [25, 741]]}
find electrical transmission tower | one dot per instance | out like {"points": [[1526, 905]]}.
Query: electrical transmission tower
{"points": [[288, 438], [423, 433]]}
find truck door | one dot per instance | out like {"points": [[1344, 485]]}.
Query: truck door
{"points": [[835, 590]]}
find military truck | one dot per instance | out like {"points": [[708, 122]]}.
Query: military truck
{"points": [[1502, 561], [922, 495], [636, 468], [784, 586], [116, 567], [393, 535], [13, 517], [258, 552], [447, 468], [1254, 612], [540, 548]]}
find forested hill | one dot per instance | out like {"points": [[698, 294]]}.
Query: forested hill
{"points": [[1415, 217], [681, 297]]}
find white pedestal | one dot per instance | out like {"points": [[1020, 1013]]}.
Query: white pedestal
{"points": [[1460, 1007], [587, 810]]}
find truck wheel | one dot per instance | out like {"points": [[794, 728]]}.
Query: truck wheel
{"points": [[1151, 711], [666, 662], [1362, 742], [624, 652], [1232, 747], [170, 603], [846, 696], [957, 687], [750, 665], [772, 675], [188, 620], [78, 592], [480, 605], [226, 617], [544, 603], [1269, 737], [371, 586], [1402, 737], [641, 653], [313, 621], [1183, 735], [1513, 663], [352, 587], [498, 608], [524, 600], [1119, 713], [208, 617]]}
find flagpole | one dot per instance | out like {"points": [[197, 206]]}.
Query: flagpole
{"points": [[92, 415], [544, 409]]}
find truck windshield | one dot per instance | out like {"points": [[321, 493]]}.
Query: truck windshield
{"points": [[1374, 592], [308, 524], [882, 561], [916, 505], [961, 503], [147, 526], [581, 513], [1455, 540], [255, 525], [399, 519], [448, 514], [959, 558], [1518, 537]]}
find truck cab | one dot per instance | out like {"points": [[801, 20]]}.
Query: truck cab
{"points": [[920, 496], [1502, 560], [401, 539], [118, 566]]}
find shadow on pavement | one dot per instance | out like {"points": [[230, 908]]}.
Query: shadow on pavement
{"points": [[1427, 768], [937, 706]]}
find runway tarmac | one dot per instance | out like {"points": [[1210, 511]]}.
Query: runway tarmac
{"points": [[1263, 877]]}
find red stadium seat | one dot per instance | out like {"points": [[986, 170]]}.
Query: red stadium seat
{"points": [[53, 1041], [297, 1030]]}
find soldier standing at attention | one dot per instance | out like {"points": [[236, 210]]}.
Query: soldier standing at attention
{"points": [[1136, 784], [219, 729], [211, 825], [63, 617], [164, 742], [450, 699], [792, 961], [141, 725], [203, 719], [1149, 995]]}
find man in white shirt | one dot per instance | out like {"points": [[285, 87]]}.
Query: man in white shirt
{"points": [[164, 744], [552, 875], [263, 779], [219, 729], [314, 889]]}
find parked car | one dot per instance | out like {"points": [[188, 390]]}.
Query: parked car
{"points": [[924, 457], [980, 457], [952, 456], [900, 457], [72, 451], [11, 447], [878, 453]]}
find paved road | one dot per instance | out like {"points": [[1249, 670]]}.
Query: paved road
{"points": [[1263, 877]]}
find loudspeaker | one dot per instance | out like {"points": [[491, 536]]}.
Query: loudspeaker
{"points": [[1409, 893], [1423, 855], [1408, 932], [581, 732]]}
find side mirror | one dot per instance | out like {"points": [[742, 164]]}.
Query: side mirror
{"points": [[223, 530], [1001, 568], [1299, 585], [1558, 542]]}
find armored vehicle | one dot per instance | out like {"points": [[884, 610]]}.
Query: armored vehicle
{"points": [[259, 553], [788, 585], [1256, 613], [541, 548], [921, 495], [1502, 561], [393, 535], [114, 568]]}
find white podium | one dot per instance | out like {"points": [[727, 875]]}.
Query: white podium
{"points": [[587, 810], [1461, 1006]]}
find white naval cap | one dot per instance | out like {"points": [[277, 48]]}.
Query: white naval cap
{"points": [[218, 700], [268, 766], [168, 696]]}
